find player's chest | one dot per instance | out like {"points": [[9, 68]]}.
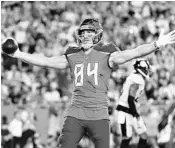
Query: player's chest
{"points": [[88, 65], [90, 61]]}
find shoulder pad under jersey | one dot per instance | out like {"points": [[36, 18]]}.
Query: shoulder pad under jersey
{"points": [[71, 50], [110, 48]]}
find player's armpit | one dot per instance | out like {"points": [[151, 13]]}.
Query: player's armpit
{"points": [[112, 59]]}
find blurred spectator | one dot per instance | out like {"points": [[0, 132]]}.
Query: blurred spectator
{"points": [[15, 93], [165, 127], [15, 128], [29, 129], [6, 137], [53, 100], [13, 74]]}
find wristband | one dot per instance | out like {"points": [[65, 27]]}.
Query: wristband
{"points": [[155, 45]]}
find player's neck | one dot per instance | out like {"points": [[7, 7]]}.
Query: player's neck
{"points": [[87, 51]]}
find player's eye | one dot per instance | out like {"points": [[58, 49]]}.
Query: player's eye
{"points": [[87, 32]]}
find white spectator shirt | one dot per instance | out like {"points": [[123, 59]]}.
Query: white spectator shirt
{"points": [[15, 127], [53, 96]]}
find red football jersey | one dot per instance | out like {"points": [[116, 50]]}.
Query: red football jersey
{"points": [[90, 73]]}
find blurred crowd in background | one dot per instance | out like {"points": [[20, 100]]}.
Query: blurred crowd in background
{"points": [[47, 28]]}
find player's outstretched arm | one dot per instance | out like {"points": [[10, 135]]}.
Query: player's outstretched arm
{"points": [[57, 62], [142, 50]]}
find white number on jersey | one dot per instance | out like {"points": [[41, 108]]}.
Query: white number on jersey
{"points": [[79, 75], [78, 72]]}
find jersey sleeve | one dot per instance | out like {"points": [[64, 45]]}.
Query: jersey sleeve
{"points": [[112, 47], [71, 50], [108, 48]]}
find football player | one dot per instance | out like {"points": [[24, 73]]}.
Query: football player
{"points": [[128, 116], [90, 64]]}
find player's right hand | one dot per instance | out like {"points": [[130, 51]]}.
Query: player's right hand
{"points": [[15, 54], [10, 47]]}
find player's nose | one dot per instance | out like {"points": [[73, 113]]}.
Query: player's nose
{"points": [[86, 33]]}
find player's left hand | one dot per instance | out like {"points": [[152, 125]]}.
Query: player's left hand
{"points": [[167, 39]]}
